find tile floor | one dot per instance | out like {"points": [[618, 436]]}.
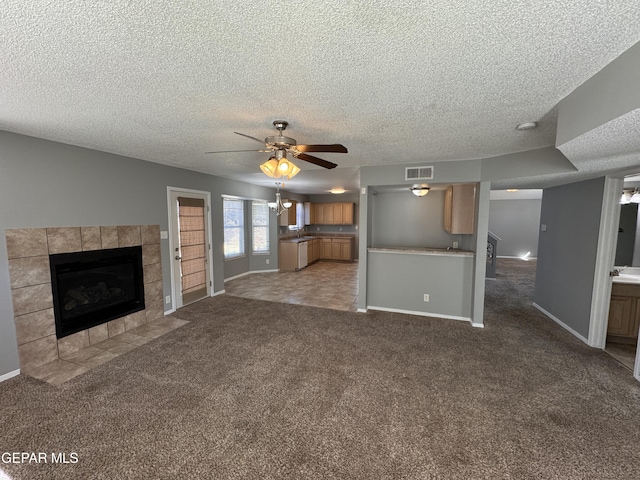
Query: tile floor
{"points": [[72, 365], [323, 284], [625, 354]]}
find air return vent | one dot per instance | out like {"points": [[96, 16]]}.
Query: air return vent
{"points": [[418, 173]]}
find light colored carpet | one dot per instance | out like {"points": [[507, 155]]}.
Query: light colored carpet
{"points": [[262, 390]]}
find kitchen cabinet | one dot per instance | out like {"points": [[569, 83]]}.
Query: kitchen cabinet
{"points": [[624, 311], [325, 252], [288, 217], [328, 213], [459, 209], [293, 255]]}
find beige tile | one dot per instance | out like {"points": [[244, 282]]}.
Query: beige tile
{"points": [[169, 322], [153, 291], [132, 338], [64, 240], [32, 299], [58, 372], [109, 237], [150, 234], [151, 331], [103, 357], [116, 327], [81, 354], [37, 353], [29, 271], [33, 326], [98, 334], [114, 346], [153, 273], [72, 343], [151, 254], [129, 236], [154, 309], [134, 320], [91, 238], [26, 242]]}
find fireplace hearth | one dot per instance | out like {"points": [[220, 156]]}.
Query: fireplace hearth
{"points": [[91, 288]]}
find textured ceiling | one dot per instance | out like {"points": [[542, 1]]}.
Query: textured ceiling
{"points": [[394, 81]]}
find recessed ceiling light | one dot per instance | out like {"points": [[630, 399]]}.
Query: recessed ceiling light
{"points": [[511, 190], [526, 126], [337, 191]]}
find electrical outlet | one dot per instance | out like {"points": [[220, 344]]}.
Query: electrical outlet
{"points": [[340, 228], [455, 244], [426, 297], [267, 261], [167, 299]]}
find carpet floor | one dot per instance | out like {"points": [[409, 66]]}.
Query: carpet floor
{"points": [[262, 390]]}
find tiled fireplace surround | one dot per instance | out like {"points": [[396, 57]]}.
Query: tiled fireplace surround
{"points": [[28, 252]]}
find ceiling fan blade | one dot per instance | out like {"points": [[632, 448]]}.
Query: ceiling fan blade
{"points": [[315, 160], [249, 136], [333, 148], [233, 151]]}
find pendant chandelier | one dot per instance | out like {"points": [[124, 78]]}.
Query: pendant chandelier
{"points": [[279, 166], [278, 206]]}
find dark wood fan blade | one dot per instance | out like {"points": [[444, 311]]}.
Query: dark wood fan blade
{"points": [[233, 151], [333, 148], [315, 160], [249, 136]]}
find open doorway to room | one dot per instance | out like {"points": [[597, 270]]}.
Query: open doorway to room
{"points": [[624, 308], [514, 222]]}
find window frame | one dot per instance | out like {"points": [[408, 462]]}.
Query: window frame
{"points": [[265, 227], [228, 227]]}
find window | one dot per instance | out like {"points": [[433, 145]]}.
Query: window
{"points": [[299, 217], [259, 227], [233, 214]]}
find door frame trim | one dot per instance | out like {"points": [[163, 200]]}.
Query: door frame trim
{"points": [[175, 292]]}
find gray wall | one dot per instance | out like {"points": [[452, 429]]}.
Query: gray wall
{"points": [[567, 252], [400, 219], [48, 184], [517, 223]]}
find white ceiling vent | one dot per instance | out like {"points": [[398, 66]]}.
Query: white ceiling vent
{"points": [[418, 173]]}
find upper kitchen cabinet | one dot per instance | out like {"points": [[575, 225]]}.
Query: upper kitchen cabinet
{"points": [[328, 213], [459, 209], [288, 217]]}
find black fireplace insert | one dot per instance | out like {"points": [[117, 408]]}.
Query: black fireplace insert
{"points": [[91, 288]]}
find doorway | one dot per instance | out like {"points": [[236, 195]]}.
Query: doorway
{"points": [[190, 244]]}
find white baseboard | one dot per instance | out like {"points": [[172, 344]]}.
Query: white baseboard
{"points": [[561, 323], [169, 312], [477, 325], [219, 292], [422, 314], [361, 310], [250, 272], [9, 375]]}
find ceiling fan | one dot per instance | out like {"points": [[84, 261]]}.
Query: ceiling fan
{"points": [[281, 145]]}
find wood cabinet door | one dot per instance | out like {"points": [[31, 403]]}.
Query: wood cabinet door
{"points": [[459, 209], [345, 251], [347, 213], [335, 250], [622, 312], [326, 248], [327, 209], [337, 214]]}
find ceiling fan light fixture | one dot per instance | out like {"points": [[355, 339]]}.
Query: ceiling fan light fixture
{"points": [[270, 168]]}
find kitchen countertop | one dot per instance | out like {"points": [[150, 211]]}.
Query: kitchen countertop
{"points": [[630, 275], [306, 238], [423, 251]]}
